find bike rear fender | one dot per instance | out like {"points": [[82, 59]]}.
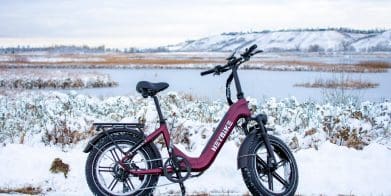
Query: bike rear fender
{"points": [[105, 129]]}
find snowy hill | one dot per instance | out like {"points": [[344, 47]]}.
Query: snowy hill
{"points": [[377, 43], [293, 40]]}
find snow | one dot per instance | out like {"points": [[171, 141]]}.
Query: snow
{"points": [[334, 170], [374, 42], [329, 40], [4, 58], [24, 165], [330, 170]]}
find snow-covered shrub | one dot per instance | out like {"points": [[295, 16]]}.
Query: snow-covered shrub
{"points": [[58, 118], [307, 124], [33, 79]]}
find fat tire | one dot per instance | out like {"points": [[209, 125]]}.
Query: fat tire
{"points": [[251, 179], [120, 138]]}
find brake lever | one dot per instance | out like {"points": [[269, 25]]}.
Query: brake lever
{"points": [[256, 52], [217, 70], [232, 56]]}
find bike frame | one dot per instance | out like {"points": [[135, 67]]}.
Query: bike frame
{"points": [[236, 111], [198, 164]]}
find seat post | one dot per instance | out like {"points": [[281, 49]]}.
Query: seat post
{"points": [[159, 111]]}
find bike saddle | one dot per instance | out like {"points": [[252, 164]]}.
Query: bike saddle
{"points": [[150, 89]]}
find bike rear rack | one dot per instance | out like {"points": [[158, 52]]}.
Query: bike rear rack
{"points": [[118, 125]]}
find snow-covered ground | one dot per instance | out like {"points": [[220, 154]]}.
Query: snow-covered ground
{"points": [[322, 133], [330, 170]]}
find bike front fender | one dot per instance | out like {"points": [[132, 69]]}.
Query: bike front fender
{"points": [[243, 155]]}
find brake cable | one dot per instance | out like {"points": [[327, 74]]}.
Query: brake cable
{"points": [[228, 88]]}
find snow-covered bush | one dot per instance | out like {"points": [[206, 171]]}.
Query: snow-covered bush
{"points": [[32, 79], [307, 124], [58, 118]]}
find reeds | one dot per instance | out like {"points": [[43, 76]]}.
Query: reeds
{"points": [[179, 60], [338, 84]]}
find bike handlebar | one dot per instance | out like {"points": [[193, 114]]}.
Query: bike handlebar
{"points": [[207, 72], [217, 70], [232, 60]]}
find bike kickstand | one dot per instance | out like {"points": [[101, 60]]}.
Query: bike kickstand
{"points": [[183, 189]]}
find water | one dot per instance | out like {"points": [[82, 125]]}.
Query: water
{"points": [[255, 83]]}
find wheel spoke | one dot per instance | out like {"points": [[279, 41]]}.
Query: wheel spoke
{"points": [[269, 174], [113, 184], [262, 162], [261, 166], [125, 187], [281, 163], [270, 180], [280, 179], [129, 183], [105, 169], [114, 154]]}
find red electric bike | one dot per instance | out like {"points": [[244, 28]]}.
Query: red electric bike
{"points": [[122, 160]]}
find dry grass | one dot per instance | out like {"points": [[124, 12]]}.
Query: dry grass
{"points": [[30, 190], [156, 61], [173, 60], [115, 59], [59, 167], [296, 65], [61, 134], [336, 84], [374, 65]]}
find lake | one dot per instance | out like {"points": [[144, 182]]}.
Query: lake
{"points": [[255, 83]]}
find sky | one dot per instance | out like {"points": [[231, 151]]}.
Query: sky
{"points": [[151, 23]]}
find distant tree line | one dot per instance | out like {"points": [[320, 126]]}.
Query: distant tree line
{"points": [[63, 49], [54, 49], [340, 29], [149, 50]]}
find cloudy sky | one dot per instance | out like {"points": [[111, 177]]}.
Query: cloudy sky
{"points": [[156, 22]]}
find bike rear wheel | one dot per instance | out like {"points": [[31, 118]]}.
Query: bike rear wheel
{"points": [[260, 180], [106, 177]]}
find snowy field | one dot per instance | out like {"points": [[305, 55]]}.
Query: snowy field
{"points": [[33, 134], [330, 170]]}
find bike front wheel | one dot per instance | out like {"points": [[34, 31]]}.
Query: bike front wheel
{"points": [[260, 180]]}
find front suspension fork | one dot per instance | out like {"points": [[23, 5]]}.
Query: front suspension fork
{"points": [[271, 159]]}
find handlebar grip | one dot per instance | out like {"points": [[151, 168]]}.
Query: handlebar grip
{"points": [[249, 50], [252, 48], [207, 72]]}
